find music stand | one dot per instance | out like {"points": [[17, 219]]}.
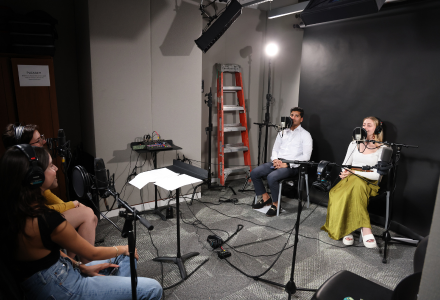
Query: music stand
{"points": [[195, 173], [156, 210]]}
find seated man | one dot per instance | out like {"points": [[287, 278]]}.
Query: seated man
{"points": [[81, 217], [295, 144]]}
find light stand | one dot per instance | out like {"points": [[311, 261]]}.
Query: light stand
{"points": [[269, 99], [290, 287], [209, 131], [271, 50]]}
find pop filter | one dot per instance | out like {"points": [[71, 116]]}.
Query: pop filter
{"points": [[359, 134], [81, 182]]}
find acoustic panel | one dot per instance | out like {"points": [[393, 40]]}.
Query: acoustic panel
{"points": [[320, 11]]}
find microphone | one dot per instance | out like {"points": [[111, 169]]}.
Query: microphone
{"points": [[384, 163], [62, 144], [101, 180], [359, 135], [286, 122]]}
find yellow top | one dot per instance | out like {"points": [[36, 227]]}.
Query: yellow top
{"points": [[55, 203]]}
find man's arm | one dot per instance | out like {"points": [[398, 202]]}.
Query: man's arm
{"points": [[276, 148], [307, 147]]}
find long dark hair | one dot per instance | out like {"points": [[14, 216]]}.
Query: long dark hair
{"points": [[19, 201]]}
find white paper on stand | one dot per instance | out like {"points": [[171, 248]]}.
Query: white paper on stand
{"points": [[173, 183], [144, 178]]}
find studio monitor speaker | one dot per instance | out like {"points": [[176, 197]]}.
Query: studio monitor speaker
{"points": [[320, 11], [216, 30]]}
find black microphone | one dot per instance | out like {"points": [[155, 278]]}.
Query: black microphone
{"points": [[286, 122], [384, 163], [101, 180], [62, 144]]}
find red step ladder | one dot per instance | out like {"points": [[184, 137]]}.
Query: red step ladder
{"points": [[222, 129]]}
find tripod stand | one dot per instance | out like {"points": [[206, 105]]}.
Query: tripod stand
{"points": [[290, 287], [179, 259]]}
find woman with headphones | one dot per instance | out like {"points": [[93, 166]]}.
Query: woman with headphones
{"points": [[34, 234], [81, 217], [348, 200]]}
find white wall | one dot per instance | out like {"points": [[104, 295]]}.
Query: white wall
{"points": [[143, 78]]}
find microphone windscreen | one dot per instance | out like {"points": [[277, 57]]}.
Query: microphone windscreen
{"points": [[387, 153], [359, 134]]}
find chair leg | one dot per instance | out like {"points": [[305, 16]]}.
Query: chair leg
{"points": [[255, 199], [279, 197], [307, 189]]}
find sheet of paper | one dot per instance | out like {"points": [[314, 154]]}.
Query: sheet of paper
{"points": [[172, 183], [144, 178]]}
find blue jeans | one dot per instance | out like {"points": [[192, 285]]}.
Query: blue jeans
{"points": [[274, 176], [62, 281]]}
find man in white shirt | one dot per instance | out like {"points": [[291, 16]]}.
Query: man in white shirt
{"points": [[294, 144]]}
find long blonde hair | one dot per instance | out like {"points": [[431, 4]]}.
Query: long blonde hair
{"points": [[377, 137]]}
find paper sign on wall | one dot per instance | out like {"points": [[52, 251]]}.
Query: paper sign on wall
{"points": [[33, 75]]}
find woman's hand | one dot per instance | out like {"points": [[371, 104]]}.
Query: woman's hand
{"points": [[126, 252], [344, 174], [94, 270], [78, 204]]}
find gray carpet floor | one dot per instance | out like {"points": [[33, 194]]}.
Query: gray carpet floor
{"points": [[254, 250]]}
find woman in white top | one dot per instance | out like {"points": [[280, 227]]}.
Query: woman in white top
{"points": [[348, 200]]}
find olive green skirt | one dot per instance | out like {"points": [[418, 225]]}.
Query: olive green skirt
{"points": [[347, 206]]}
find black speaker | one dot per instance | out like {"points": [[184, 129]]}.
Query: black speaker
{"points": [[320, 11], [210, 36]]}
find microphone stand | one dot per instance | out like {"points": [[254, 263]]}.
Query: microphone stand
{"points": [[389, 209], [130, 215], [63, 153], [290, 287]]}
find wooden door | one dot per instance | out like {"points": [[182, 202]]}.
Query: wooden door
{"points": [[38, 105]]}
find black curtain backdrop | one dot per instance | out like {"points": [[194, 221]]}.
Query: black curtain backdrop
{"points": [[385, 65]]}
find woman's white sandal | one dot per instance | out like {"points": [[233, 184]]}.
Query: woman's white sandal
{"points": [[367, 237], [348, 240]]}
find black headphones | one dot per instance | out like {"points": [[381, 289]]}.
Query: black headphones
{"points": [[379, 127], [18, 132], [35, 175], [323, 172], [214, 241]]}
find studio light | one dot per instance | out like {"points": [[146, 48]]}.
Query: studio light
{"points": [[271, 50], [222, 22]]}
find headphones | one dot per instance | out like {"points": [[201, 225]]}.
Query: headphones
{"points": [[18, 132], [35, 175], [214, 241], [379, 127], [323, 172]]}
